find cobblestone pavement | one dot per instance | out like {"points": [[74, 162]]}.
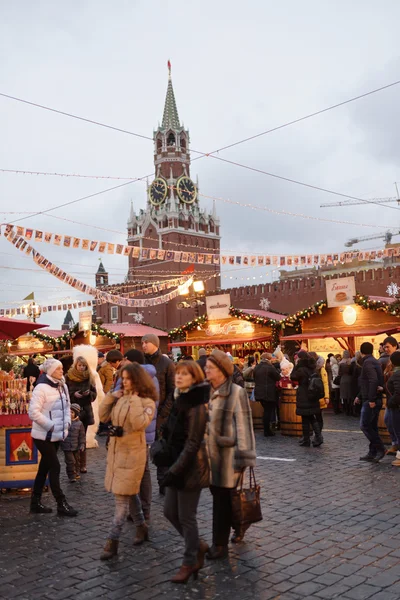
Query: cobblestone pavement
{"points": [[331, 529]]}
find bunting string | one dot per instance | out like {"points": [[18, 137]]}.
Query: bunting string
{"points": [[152, 254], [101, 297]]}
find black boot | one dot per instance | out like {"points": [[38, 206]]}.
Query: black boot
{"points": [[318, 440], [217, 552], [37, 506], [305, 440], [64, 509]]}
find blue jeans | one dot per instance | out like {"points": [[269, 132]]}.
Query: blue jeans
{"points": [[369, 427], [392, 422]]}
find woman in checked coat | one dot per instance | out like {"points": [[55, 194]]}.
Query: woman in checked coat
{"points": [[231, 445]]}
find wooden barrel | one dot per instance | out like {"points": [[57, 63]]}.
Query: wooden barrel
{"points": [[290, 422], [383, 432], [257, 412]]}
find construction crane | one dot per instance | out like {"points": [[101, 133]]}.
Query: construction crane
{"points": [[355, 202], [385, 236]]}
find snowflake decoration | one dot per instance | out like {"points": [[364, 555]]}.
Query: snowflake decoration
{"points": [[138, 317], [265, 304], [393, 290]]}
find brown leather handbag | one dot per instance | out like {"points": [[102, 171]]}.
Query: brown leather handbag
{"points": [[246, 507]]}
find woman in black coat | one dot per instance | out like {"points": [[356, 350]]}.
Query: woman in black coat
{"points": [[307, 405], [266, 376], [189, 473]]}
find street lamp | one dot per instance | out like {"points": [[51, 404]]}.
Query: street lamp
{"points": [[192, 295], [33, 311]]}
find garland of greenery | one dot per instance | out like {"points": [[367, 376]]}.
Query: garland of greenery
{"points": [[391, 309], [63, 340]]}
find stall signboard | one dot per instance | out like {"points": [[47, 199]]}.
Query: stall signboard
{"points": [[218, 306], [230, 329], [85, 320], [30, 345], [340, 291]]}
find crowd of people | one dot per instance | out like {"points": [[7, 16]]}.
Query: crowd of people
{"points": [[193, 421], [199, 432]]}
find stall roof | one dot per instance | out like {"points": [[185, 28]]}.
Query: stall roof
{"points": [[213, 342], [266, 314], [365, 332], [55, 333], [133, 329]]}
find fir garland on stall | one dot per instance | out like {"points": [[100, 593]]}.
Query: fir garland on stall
{"points": [[63, 340], [391, 309]]}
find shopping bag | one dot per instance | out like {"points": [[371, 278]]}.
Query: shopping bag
{"points": [[246, 507]]}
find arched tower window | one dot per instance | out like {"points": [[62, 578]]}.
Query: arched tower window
{"points": [[165, 221], [202, 224], [159, 145], [181, 220], [191, 222], [183, 142], [212, 227], [171, 139]]}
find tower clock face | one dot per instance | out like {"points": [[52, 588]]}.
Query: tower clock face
{"points": [[158, 191], [186, 190]]}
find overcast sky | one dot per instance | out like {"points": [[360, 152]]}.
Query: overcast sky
{"points": [[238, 69]]}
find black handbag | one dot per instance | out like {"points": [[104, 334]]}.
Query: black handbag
{"points": [[162, 452], [246, 507], [337, 380]]}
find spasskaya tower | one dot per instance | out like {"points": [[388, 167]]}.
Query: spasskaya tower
{"points": [[173, 221]]}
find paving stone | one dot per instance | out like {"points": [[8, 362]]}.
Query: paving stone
{"points": [[331, 529], [360, 592]]}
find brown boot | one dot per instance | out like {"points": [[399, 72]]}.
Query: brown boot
{"points": [[110, 549], [393, 450], [82, 456], [203, 548], [142, 534], [184, 574]]}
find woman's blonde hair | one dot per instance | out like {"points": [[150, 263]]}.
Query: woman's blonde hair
{"points": [[192, 368]]}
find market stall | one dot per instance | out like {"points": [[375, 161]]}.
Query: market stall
{"points": [[244, 332], [18, 455], [332, 330]]}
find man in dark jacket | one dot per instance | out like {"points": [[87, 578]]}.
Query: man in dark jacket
{"points": [[371, 388], [202, 359], [389, 345], [265, 390], [165, 373]]}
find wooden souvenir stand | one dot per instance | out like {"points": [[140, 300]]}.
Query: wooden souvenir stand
{"points": [[325, 330], [245, 332], [18, 455]]}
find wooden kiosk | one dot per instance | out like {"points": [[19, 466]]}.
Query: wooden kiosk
{"points": [[325, 330]]}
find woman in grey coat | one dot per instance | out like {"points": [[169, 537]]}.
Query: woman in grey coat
{"points": [[346, 379], [231, 445]]}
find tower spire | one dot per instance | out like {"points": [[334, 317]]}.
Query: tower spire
{"points": [[170, 116]]}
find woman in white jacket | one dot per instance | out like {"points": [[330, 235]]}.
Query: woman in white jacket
{"points": [[335, 386], [50, 412]]}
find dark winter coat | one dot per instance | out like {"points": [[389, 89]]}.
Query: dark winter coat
{"points": [[185, 429], [370, 379], [306, 404], [31, 370], [355, 371], [237, 376], [165, 373], [86, 414], [345, 380], [202, 362], [76, 437], [265, 378], [393, 388]]}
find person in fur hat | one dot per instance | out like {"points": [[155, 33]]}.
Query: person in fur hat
{"points": [[231, 446]]}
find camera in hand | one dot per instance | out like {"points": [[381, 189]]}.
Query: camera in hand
{"points": [[115, 431]]}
